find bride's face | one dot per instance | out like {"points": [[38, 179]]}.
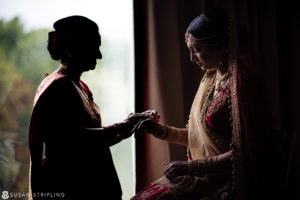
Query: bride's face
{"points": [[208, 58]]}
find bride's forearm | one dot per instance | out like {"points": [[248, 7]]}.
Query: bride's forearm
{"points": [[173, 135], [218, 163], [183, 137]]}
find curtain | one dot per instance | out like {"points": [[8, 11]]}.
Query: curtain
{"points": [[167, 81]]}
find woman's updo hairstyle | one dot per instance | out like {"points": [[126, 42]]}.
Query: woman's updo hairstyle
{"points": [[74, 32], [210, 28]]}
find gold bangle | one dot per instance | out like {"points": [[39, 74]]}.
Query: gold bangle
{"points": [[173, 134], [168, 133], [162, 133]]}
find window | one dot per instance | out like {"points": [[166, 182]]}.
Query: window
{"points": [[24, 60]]}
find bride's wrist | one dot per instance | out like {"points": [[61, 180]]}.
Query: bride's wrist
{"points": [[160, 131], [166, 132]]}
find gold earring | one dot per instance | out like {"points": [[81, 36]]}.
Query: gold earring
{"points": [[220, 63]]}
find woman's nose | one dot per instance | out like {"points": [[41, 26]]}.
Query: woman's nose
{"points": [[99, 55], [192, 57]]}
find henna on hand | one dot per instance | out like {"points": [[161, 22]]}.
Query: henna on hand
{"points": [[176, 169]]}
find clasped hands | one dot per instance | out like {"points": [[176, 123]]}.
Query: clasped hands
{"points": [[147, 121]]}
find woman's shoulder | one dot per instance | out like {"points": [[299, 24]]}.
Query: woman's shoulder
{"points": [[48, 81], [63, 82], [54, 86]]}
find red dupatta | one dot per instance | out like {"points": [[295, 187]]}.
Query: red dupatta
{"points": [[252, 137]]}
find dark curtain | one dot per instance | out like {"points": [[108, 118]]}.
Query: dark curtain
{"points": [[167, 81]]}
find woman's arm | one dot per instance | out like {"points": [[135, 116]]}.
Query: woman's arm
{"points": [[111, 134], [165, 132], [119, 131], [36, 151], [183, 138], [175, 135], [214, 164]]}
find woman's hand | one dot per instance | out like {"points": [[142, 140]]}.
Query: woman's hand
{"points": [[136, 117], [150, 125], [193, 187], [131, 124], [176, 169]]}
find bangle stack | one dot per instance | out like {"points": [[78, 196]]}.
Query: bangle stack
{"points": [[168, 133], [161, 133]]}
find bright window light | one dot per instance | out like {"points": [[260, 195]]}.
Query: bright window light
{"points": [[24, 60]]}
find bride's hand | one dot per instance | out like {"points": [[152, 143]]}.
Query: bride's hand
{"points": [[130, 125], [150, 125], [137, 117], [176, 168]]}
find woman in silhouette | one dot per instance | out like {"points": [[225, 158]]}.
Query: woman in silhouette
{"points": [[70, 155]]}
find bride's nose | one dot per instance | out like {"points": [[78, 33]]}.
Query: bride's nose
{"points": [[193, 57]]}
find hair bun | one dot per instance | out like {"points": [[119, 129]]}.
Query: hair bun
{"points": [[73, 33]]}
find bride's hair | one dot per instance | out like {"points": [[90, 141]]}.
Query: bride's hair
{"points": [[210, 28]]}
